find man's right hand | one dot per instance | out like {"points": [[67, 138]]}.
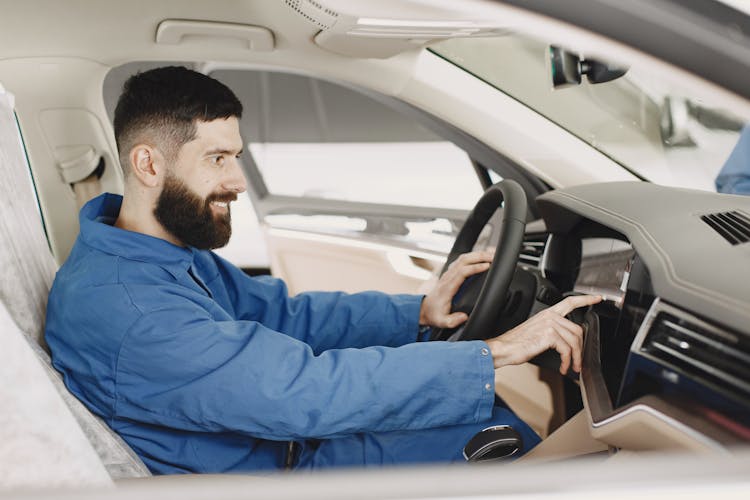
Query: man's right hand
{"points": [[548, 329]]}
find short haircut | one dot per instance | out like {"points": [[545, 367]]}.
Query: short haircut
{"points": [[160, 107]]}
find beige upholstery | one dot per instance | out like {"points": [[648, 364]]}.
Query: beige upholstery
{"points": [[27, 272], [117, 457], [41, 444]]}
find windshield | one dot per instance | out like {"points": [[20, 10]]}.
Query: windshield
{"points": [[655, 130]]}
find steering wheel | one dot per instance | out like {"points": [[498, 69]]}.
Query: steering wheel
{"points": [[493, 295]]}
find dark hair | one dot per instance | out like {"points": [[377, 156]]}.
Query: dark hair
{"points": [[160, 107]]}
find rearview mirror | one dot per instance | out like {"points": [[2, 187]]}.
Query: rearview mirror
{"points": [[567, 69]]}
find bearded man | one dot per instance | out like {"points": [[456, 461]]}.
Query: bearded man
{"points": [[201, 368]]}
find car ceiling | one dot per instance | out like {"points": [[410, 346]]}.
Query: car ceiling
{"points": [[113, 32]]}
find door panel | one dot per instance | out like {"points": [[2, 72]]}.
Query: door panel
{"points": [[356, 253], [310, 261]]}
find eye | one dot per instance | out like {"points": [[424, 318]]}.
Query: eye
{"points": [[217, 160]]}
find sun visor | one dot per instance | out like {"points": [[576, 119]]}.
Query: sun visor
{"points": [[383, 29]]}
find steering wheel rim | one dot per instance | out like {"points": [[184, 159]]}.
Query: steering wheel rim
{"points": [[494, 291]]}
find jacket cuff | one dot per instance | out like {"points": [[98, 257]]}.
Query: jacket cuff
{"points": [[486, 381]]}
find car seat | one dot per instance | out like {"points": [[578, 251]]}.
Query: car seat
{"points": [[28, 269]]}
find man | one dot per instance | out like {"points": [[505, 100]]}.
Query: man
{"points": [[203, 369], [734, 177]]}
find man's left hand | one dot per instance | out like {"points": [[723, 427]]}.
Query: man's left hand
{"points": [[436, 306]]}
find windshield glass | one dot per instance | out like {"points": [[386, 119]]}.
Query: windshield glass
{"points": [[650, 127]]}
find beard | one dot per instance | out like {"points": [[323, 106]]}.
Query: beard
{"points": [[190, 219]]}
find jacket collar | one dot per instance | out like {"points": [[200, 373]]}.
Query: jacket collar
{"points": [[97, 220]]}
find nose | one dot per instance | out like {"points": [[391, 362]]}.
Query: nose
{"points": [[235, 178]]}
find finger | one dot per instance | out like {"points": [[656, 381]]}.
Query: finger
{"points": [[456, 279], [475, 257], [453, 320], [575, 345], [565, 306], [467, 260], [564, 350], [473, 269], [573, 335], [574, 328]]}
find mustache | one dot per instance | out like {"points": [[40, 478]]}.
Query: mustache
{"points": [[221, 197]]}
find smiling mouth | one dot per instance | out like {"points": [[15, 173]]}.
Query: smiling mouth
{"points": [[220, 206]]}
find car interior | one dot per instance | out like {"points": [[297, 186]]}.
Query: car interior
{"points": [[384, 138]]}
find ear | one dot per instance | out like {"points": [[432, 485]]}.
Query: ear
{"points": [[147, 165]]}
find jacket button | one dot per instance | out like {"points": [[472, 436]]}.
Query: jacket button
{"points": [[487, 386], [485, 351]]}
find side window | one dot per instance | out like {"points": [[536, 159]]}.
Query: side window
{"points": [[313, 138]]}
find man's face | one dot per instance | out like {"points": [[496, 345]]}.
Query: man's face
{"points": [[194, 202]]}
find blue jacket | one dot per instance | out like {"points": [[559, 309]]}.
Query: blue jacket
{"points": [[201, 368]]}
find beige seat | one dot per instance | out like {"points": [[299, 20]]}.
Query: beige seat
{"points": [[27, 272]]}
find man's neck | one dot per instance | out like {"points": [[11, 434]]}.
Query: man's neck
{"points": [[138, 216]]}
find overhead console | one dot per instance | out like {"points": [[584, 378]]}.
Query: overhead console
{"points": [[383, 29]]}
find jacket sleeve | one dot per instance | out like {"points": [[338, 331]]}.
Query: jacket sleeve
{"points": [[179, 368], [324, 320], [734, 177]]}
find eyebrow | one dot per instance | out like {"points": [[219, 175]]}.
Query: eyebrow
{"points": [[222, 151]]}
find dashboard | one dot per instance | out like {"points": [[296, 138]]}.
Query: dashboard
{"points": [[667, 353]]}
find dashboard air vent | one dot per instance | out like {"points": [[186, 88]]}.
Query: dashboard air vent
{"points": [[532, 248], [732, 226], [708, 354]]}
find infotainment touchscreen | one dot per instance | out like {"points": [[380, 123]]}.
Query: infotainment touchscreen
{"points": [[605, 269]]}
